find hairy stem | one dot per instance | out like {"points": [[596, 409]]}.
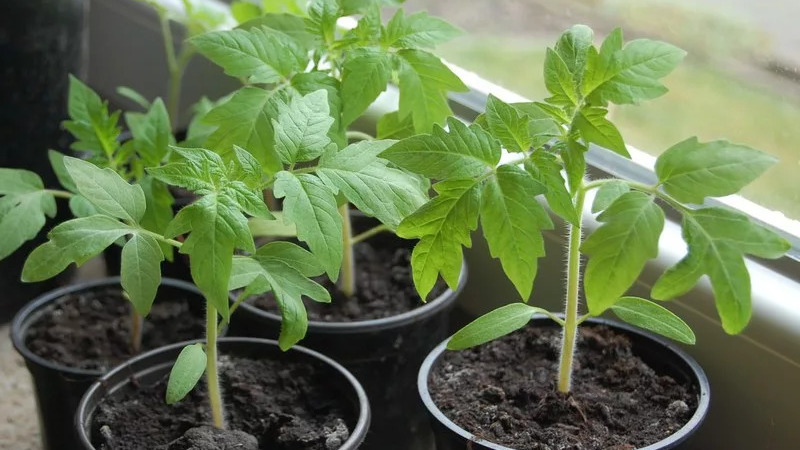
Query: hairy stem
{"points": [[212, 377], [59, 194], [359, 135], [570, 328], [347, 278], [137, 323]]}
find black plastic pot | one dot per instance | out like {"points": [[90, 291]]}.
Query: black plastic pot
{"points": [[59, 388], [156, 364], [384, 354], [662, 355]]}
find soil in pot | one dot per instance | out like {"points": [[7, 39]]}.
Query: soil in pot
{"points": [[384, 286], [504, 392], [284, 405], [90, 329]]}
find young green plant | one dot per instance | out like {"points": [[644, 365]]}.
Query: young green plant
{"points": [[548, 141]]}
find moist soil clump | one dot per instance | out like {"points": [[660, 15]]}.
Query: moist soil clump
{"points": [[90, 330], [505, 393], [384, 288], [283, 405]]}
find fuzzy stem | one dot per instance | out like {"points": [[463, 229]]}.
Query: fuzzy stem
{"points": [[212, 378], [347, 279], [571, 310], [137, 321], [59, 194], [359, 135]]}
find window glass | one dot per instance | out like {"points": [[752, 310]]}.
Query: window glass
{"points": [[740, 80]]}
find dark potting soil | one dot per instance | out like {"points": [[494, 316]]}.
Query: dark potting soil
{"points": [[91, 329], [384, 288], [284, 405], [505, 393]]}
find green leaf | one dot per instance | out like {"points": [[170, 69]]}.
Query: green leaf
{"points": [[322, 17], [718, 239], [608, 193], [198, 130], [593, 126], [364, 76], [648, 315], [186, 372], [632, 73], [573, 48], [691, 170], [507, 125], [544, 167], [261, 55], [492, 325], [243, 10], [308, 82], [512, 221], [291, 24], [424, 84], [151, 132], [94, 129], [459, 152], [23, 208], [140, 271], [80, 207], [272, 227], [134, 96], [619, 249], [244, 120], [418, 30], [391, 126], [574, 157], [559, 81], [443, 226], [106, 190], [76, 240], [376, 189], [301, 130], [57, 163], [311, 206], [293, 256]]}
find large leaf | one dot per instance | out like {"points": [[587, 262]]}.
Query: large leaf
{"points": [[443, 225], [512, 220], [23, 208], [492, 325], [459, 152], [424, 84], [718, 239], [301, 128], [106, 190], [140, 272], [375, 188], [364, 76], [648, 315], [76, 240], [418, 30], [293, 256], [261, 55], [186, 372], [311, 206], [691, 170], [619, 249]]}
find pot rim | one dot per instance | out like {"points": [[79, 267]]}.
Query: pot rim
{"points": [[31, 312], [444, 300], [703, 400], [356, 436]]}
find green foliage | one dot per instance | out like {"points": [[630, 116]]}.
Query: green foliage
{"points": [[24, 206], [651, 316], [186, 372], [492, 325]]}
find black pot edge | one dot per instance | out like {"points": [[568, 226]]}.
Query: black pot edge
{"points": [[356, 436], [445, 300], [26, 316], [703, 402]]}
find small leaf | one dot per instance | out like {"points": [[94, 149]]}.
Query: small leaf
{"points": [[186, 372], [573, 48], [608, 193], [619, 249], [272, 227], [293, 256], [593, 126], [133, 96], [574, 158], [23, 208], [106, 190], [459, 152], [391, 126], [492, 325], [559, 81], [151, 132], [365, 75], [418, 30], [544, 167], [57, 163], [140, 272], [650, 316], [301, 130], [691, 171], [507, 125], [94, 129]]}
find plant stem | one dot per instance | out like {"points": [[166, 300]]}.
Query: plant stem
{"points": [[571, 310], [368, 234], [212, 378], [347, 279], [359, 135], [137, 322], [59, 194]]}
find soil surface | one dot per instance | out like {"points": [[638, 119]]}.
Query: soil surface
{"points": [[284, 405], [505, 393], [91, 329], [384, 287]]}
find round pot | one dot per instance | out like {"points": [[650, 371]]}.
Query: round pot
{"points": [[660, 354], [153, 366], [58, 387]]}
